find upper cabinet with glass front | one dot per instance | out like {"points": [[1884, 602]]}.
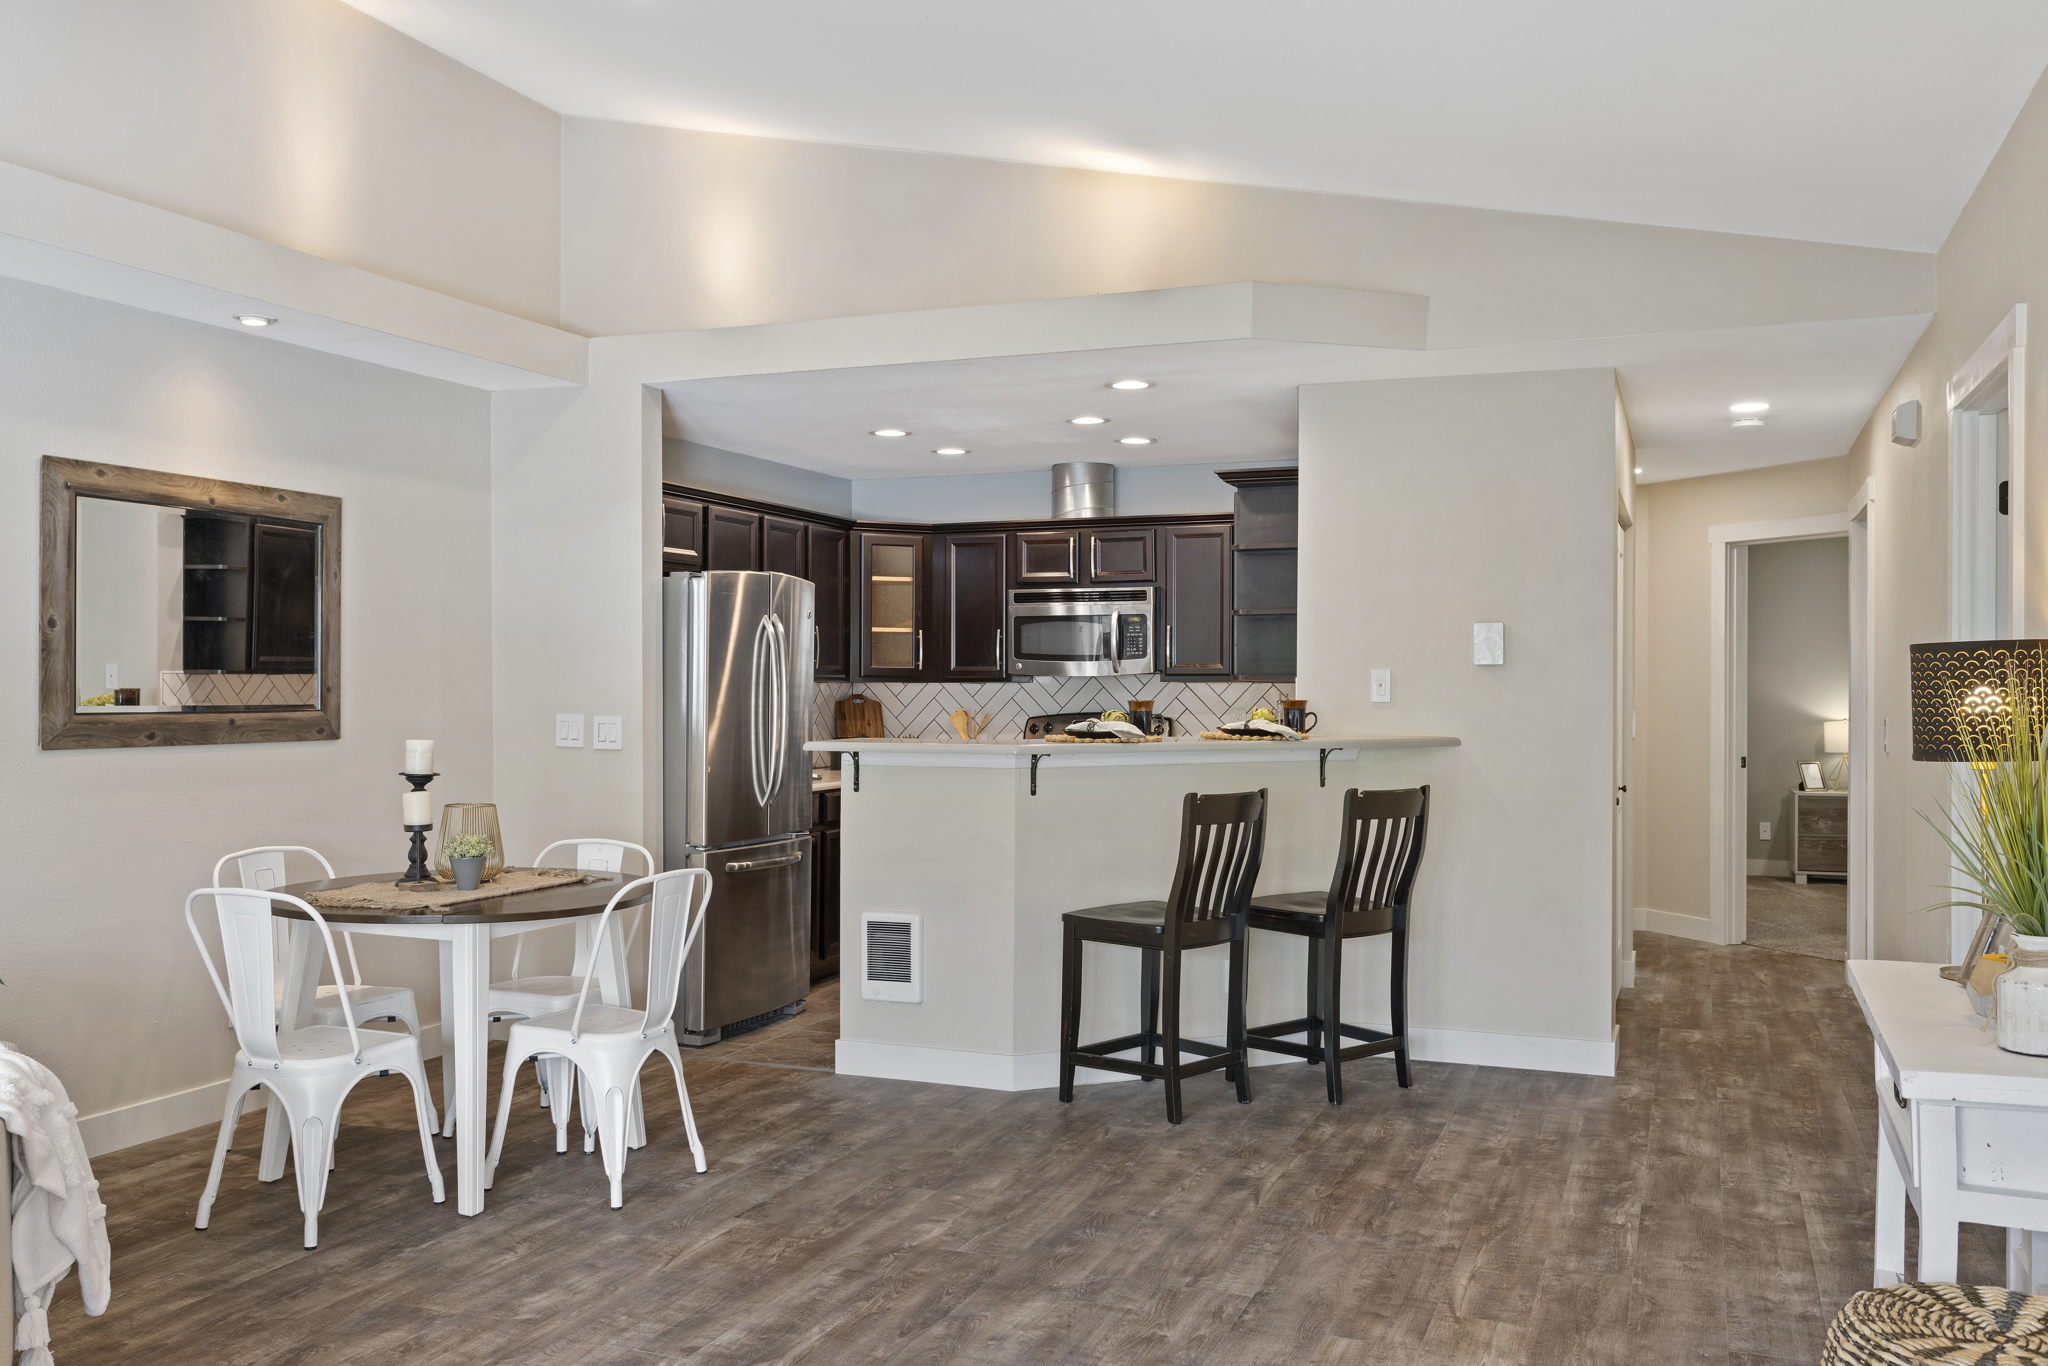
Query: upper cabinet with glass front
{"points": [[186, 611], [892, 585]]}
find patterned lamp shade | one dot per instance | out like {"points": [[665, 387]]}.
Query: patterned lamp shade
{"points": [[1963, 691]]}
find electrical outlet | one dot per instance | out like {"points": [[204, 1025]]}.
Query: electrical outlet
{"points": [[1489, 643], [1382, 685], [113, 677], [607, 732], [1763, 830], [568, 731]]}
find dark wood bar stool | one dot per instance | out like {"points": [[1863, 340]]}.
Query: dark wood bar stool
{"points": [[1222, 838], [1376, 863]]}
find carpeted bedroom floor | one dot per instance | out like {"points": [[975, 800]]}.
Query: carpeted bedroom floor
{"points": [[1811, 920]]}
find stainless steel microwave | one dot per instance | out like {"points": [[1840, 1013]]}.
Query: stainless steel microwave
{"points": [[1080, 631]]}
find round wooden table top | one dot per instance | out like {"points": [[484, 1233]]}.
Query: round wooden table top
{"points": [[547, 903]]}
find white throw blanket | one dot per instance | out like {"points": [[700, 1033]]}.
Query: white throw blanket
{"points": [[57, 1214]]}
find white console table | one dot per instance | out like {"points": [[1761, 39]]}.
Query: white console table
{"points": [[1962, 1129]]}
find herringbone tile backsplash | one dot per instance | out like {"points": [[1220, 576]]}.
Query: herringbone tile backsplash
{"points": [[918, 711]]}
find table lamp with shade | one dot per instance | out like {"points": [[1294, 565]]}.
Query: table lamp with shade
{"points": [[1834, 739], [1962, 694]]}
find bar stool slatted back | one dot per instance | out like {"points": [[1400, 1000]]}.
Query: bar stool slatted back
{"points": [[1222, 839], [1377, 859]]}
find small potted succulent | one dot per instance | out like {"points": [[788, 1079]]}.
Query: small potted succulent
{"points": [[466, 855]]}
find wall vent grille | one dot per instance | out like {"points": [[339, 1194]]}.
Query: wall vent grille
{"points": [[892, 967]]}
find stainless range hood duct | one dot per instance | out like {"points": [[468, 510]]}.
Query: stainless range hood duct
{"points": [[1083, 488]]}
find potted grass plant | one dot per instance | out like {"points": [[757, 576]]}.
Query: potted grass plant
{"points": [[1997, 831], [466, 855]]}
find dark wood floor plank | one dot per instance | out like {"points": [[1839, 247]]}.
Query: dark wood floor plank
{"points": [[1711, 1204]]}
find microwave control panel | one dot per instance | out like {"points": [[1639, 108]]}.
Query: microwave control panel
{"points": [[1133, 638]]}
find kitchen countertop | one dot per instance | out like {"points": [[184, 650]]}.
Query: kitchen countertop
{"points": [[1010, 753]]}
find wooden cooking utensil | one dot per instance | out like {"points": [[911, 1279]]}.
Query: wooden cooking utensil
{"points": [[962, 725]]}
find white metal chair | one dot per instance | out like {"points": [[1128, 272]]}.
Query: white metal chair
{"points": [[525, 998], [263, 868], [607, 1044], [308, 1071]]}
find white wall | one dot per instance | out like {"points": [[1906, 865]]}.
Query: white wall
{"points": [[1673, 650], [665, 229], [1428, 505], [304, 122], [102, 983], [1141, 491], [1798, 675], [748, 476]]}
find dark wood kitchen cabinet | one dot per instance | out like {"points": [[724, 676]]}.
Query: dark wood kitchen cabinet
{"points": [[783, 546], [682, 534], [825, 558], [824, 885], [972, 598], [1046, 558], [732, 539], [284, 607], [1122, 555], [891, 589], [1194, 602]]}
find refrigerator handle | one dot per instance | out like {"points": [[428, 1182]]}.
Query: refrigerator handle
{"points": [[779, 732], [763, 654]]}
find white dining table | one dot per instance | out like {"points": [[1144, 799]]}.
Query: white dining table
{"points": [[464, 933]]}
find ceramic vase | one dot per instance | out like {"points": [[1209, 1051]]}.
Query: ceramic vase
{"points": [[469, 872], [2023, 998]]}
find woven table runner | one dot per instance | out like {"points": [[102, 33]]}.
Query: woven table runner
{"points": [[1102, 739], [385, 896], [1225, 735]]}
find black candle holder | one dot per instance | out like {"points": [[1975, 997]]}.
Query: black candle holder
{"points": [[416, 871]]}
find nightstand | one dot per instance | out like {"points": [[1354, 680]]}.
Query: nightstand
{"points": [[1820, 835]]}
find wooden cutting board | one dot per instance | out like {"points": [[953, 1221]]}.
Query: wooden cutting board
{"points": [[858, 717]]}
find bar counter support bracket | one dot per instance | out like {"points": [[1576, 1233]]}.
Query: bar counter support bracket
{"points": [[1322, 768], [1034, 773], [854, 755]]}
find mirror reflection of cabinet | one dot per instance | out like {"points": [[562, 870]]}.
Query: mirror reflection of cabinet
{"points": [[892, 598], [179, 610]]}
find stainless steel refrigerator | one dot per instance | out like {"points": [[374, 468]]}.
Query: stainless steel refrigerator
{"points": [[736, 707]]}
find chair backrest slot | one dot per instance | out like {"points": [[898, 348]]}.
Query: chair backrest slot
{"points": [[1222, 839]]}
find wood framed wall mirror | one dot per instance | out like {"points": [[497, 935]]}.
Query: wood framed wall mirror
{"points": [[178, 610]]}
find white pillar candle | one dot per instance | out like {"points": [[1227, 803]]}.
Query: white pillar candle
{"points": [[417, 807], [419, 756]]}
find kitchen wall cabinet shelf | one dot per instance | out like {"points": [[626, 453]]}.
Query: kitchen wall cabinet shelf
{"points": [[932, 606], [1265, 572]]}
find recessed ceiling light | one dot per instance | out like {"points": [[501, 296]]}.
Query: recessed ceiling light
{"points": [[1748, 422], [950, 450], [1130, 384], [888, 431], [1087, 421], [1753, 406], [1639, 469], [254, 320], [1134, 441]]}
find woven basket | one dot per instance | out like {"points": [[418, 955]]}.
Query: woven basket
{"points": [[1915, 1324]]}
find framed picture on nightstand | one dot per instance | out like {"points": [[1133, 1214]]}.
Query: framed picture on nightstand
{"points": [[1810, 779]]}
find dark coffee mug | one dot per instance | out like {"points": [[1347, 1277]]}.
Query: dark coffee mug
{"points": [[1298, 719]]}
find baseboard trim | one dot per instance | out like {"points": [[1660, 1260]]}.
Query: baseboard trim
{"points": [[1040, 1071], [1626, 978], [124, 1126], [1672, 922], [1770, 867]]}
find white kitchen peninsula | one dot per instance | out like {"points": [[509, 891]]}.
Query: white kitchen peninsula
{"points": [[953, 833]]}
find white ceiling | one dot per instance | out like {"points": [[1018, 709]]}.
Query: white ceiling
{"points": [[1234, 401], [1861, 121]]}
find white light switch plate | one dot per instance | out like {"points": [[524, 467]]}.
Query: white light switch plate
{"points": [[1763, 830], [1489, 643], [607, 732], [113, 677], [568, 731], [1382, 685]]}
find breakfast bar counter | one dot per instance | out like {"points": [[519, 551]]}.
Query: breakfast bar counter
{"points": [[988, 843]]}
